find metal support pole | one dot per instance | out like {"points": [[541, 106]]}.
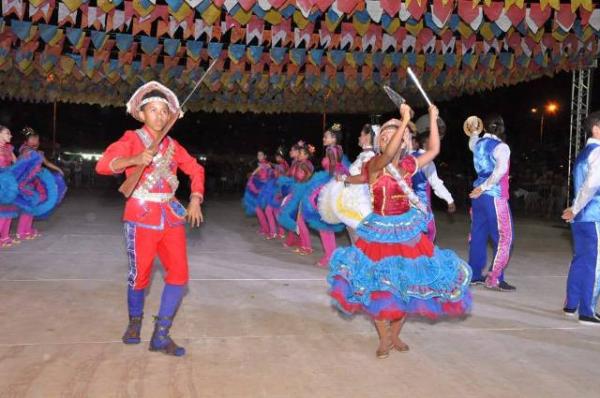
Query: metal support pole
{"points": [[580, 102], [54, 130]]}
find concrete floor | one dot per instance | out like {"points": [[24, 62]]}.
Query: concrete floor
{"points": [[257, 322]]}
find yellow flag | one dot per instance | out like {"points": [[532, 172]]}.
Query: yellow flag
{"points": [[72, 5], [106, 5], [243, 17], [142, 11], [299, 20], [183, 12], [273, 17], [552, 3], [212, 14]]}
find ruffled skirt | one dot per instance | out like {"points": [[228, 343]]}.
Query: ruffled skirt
{"points": [[29, 188], [288, 211], [394, 270], [310, 204]]}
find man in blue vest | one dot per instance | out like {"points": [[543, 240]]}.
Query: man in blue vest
{"points": [[583, 282], [490, 213]]}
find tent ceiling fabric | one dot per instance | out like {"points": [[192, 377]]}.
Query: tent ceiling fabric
{"points": [[287, 55]]}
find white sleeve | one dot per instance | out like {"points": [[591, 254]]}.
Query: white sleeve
{"points": [[436, 183], [590, 185], [502, 156], [473, 141]]}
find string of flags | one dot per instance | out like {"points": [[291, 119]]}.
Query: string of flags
{"points": [[287, 55]]}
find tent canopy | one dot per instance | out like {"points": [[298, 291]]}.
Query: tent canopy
{"points": [[287, 55]]}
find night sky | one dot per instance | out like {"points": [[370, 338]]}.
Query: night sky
{"points": [[91, 128]]}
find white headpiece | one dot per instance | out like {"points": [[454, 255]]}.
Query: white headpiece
{"points": [[137, 101]]}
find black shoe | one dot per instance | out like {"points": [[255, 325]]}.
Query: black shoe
{"points": [[589, 320], [134, 329], [161, 341], [569, 311], [502, 286], [478, 282], [505, 287]]}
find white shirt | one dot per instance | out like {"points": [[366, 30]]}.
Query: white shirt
{"points": [[592, 181], [502, 156], [436, 182], [356, 167]]}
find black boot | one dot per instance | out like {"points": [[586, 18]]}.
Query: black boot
{"points": [[161, 341], [132, 334]]}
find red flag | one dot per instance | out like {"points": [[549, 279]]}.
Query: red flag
{"points": [[416, 10], [565, 17], [322, 4], [494, 10], [347, 6], [515, 14], [539, 16], [391, 7], [441, 11]]}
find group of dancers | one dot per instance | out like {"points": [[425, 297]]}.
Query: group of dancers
{"points": [[393, 269], [383, 199], [31, 186]]}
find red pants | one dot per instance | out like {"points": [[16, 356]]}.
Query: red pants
{"points": [[144, 244]]}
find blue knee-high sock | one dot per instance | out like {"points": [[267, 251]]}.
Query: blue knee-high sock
{"points": [[135, 301], [171, 297]]}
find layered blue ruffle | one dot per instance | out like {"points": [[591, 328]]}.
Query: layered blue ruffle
{"points": [[36, 203], [288, 213], [61, 190], [416, 286], [11, 178], [250, 199], [268, 193], [393, 229], [9, 187], [310, 210]]}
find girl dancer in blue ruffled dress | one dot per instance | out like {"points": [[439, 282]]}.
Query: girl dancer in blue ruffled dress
{"points": [[334, 164], [394, 270]]}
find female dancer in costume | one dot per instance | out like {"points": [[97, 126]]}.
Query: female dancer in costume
{"points": [[291, 214], [334, 164], [25, 228], [285, 184], [8, 211], [272, 194], [394, 270], [259, 177], [351, 203]]}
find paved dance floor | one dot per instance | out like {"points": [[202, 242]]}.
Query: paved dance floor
{"points": [[256, 320]]}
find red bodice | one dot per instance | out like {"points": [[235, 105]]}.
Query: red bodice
{"points": [[334, 153], [6, 155], [281, 168], [264, 171], [303, 170], [388, 197]]}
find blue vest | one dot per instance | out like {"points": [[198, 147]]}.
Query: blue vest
{"points": [[591, 212], [484, 162], [419, 182]]}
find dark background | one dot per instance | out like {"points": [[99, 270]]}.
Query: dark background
{"points": [[237, 136]]}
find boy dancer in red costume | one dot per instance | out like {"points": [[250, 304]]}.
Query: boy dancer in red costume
{"points": [[154, 219]]}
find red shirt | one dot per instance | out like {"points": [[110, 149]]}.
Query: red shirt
{"points": [[149, 213]]}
